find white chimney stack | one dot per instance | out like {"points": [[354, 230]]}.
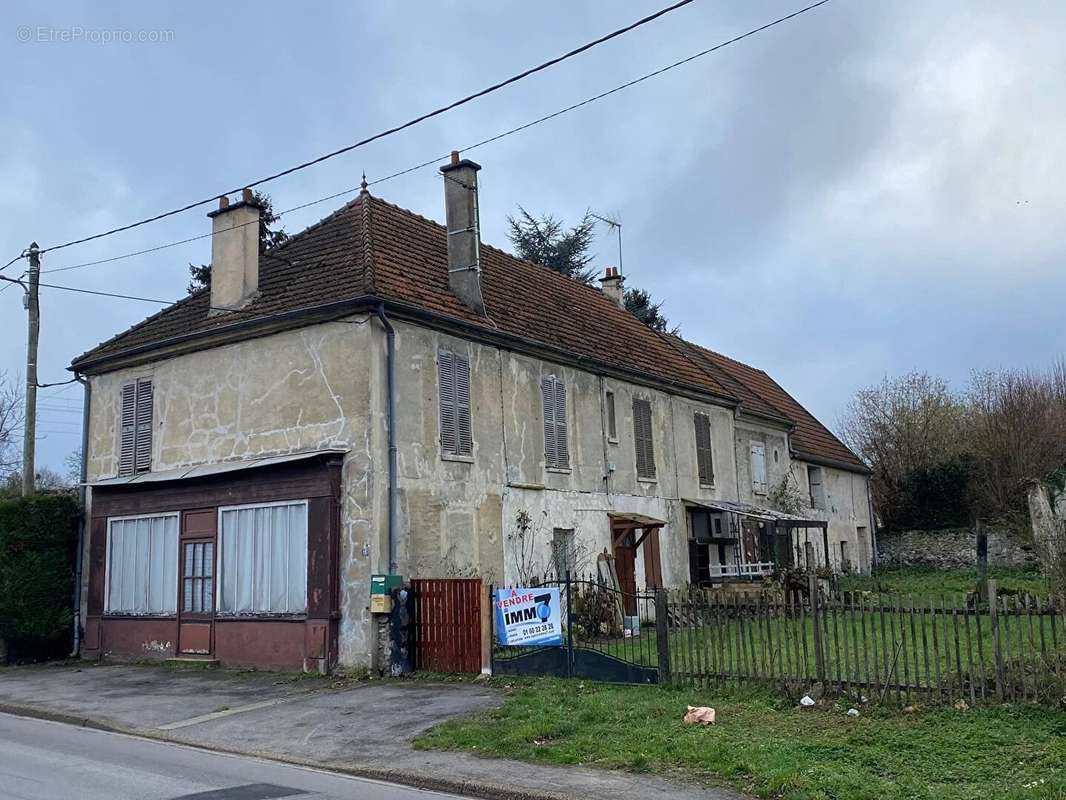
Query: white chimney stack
{"points": [[612, 286], [234, 252], [464, 235]]}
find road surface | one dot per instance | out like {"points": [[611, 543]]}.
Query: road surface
{"points": [[51, 761]]}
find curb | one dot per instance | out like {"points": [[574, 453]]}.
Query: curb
{"points": [[414, 780]]}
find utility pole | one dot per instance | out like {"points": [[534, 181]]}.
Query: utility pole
{"points": [[29, 429]]}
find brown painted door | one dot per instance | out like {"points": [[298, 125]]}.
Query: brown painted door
{"points": [[196, 593], [625, 564]]}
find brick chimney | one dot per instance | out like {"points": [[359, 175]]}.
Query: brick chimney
{"points": [[464, 234], [611, 284], [234, 252]]}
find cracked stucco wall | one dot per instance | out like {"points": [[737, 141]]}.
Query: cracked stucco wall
{"points": [[292, 391]]}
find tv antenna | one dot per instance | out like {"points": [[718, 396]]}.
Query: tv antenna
{"points": [[615, 225]]}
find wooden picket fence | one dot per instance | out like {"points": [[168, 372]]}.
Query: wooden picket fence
{"points": [[998, 647]]}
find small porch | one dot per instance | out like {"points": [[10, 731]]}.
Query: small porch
{"points": [[740, 542]]}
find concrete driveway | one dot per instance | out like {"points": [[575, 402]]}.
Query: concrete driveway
{"points": [[360, 728]]}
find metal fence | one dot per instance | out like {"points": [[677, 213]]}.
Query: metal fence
{"points": [[993, 647]]}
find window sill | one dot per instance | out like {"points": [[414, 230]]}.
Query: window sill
{"points": [[707, 486], [559, 470], [264, 617], [613, 440], [457, 459], [647, 480], [129, 615]]}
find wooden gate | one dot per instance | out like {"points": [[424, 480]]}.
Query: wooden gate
{"points": [[447, 624]]}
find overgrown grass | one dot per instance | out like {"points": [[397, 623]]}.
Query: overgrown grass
{"points": [[770, 749], [926, 582]]}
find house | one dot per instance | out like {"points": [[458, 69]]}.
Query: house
{"points": [[385, 394]]}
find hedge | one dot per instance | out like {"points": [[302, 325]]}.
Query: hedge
{"points": [[38, 544]]}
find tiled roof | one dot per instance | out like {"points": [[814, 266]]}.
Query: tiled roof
{"points": [[759, 392], [372, 248]]}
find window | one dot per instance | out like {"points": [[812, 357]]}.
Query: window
{"points": [[142, 565], [758, 467], [563, 555], [135, 448], [453, 376], [612, 424], [845, 557], [642, 438], [817, 488], [556, 451], [264, 559], [197, 578], [704, 459]]}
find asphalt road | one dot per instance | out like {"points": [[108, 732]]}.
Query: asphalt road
{"points": [[51, 761]]}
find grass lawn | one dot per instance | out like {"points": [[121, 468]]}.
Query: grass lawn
{"points": [[927, 582], [770, 749]]}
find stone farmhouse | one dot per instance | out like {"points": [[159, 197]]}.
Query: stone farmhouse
{"points": [[385, 394]]}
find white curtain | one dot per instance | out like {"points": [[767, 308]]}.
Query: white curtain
{"points": [[264, 559], [142, 572]]}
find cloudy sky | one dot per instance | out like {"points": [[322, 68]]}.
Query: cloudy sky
{"points": [[868, 189]]}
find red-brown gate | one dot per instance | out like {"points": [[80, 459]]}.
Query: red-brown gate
{"points": [[447, 624]]}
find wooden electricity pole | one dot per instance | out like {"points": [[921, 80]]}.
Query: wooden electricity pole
{"points": [[29, 431]]}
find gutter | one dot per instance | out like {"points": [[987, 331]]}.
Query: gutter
{"points": [[390, 389], [83, 492]]}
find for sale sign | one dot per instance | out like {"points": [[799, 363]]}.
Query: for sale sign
{"points": [[528, 617]]}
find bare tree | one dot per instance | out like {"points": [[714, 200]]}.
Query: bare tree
{"points": [[1017, 433], [903, 425], [11, 419]]}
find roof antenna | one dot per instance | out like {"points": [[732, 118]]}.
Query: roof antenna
{"points": [[616, 225]]}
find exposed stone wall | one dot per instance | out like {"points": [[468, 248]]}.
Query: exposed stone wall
{"points": [[952, 548]]}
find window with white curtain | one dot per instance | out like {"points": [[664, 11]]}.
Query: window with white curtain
{"points": [[263, 552], [142, 565]]}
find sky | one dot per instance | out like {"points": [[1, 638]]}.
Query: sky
{"points": [[865, 190]]}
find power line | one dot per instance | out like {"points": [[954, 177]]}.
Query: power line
{"points": [[481, 143], [388, 132]]}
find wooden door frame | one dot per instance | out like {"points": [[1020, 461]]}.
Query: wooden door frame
{"points": [[197, 619]]}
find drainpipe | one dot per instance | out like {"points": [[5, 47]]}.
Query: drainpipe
{"points": [[390, 389], [83, 493], [873, 525]]}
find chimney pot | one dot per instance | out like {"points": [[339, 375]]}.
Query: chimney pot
{"points": [[246, 195], [455, 157], [612, 286], [223, 202]]}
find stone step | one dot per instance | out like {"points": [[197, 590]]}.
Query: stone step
{"points": [[192, 662]]}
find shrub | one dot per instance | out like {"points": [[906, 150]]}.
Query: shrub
{"points": [[38, 543]]}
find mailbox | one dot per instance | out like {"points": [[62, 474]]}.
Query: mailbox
{"points": [[381, 587]]}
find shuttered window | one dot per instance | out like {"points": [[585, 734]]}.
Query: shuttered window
{"points": [[704, 458], [556, 448], [817, 487], [135, 446], [758, 467], [642, 438], [612, 424], [453, 378]]}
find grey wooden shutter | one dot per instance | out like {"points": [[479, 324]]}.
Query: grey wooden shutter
{"points": [[758, 467], [562, 449], [547, 395], [449, 439], [143, 436], [462, 405], [612, 425], [642, 438], [128, 429], [704, 459]]}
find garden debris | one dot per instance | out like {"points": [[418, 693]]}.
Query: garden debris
{"points": [[853, 712], [814, 694], [700, 715], [962, 705], [807, 701]]}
